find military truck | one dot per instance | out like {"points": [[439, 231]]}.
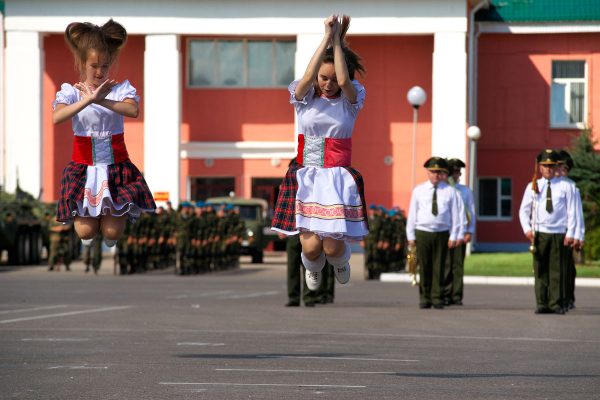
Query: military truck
{"points": [[21, 230], [253, 212]]}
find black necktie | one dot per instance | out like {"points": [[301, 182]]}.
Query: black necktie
{"points": [[549, 207], [434, 208]]}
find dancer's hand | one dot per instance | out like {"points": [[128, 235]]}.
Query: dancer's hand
{"points": [[330, 24], [94, 95]]}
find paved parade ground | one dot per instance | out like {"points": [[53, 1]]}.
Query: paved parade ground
{"points": [[71, 335]]}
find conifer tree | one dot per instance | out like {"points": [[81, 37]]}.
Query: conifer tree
{"points": [[586, 174]]}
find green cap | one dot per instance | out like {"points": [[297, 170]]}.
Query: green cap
{"points": [[565, 158], [548, 157], [436, 164], [455, 164]]}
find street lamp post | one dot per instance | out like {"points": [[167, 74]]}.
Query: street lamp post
{"points": [[473, 133], [416, 96]]}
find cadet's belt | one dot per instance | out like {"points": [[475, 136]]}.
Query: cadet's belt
{"points": [[324, 152], [99, 150]]}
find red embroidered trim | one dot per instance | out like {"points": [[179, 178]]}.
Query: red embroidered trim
{"points": [[336, 211], [94, 200]]}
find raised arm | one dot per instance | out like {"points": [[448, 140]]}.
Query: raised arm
{"points": [[315, 62], [341, 69]]}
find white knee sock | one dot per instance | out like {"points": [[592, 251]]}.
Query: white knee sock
{"points": [[343, 259], [87, 242], [110, 243], [313, 266]]}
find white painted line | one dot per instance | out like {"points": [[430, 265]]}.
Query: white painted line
{"points": [[259, 384], [54, 340], [199, 344], [195, 295], [66, 314], [78, 367], [32, 309], [340, 358], [308, 371], [490, 280], [250, 295]]}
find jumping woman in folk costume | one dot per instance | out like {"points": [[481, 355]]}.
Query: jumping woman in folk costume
{"points": [[100, 187], [322, 198]]}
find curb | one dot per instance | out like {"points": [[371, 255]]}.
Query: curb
{"points": [[490, 280]]}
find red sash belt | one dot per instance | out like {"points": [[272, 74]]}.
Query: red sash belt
{"points": [[84, 151], [324, 152]]}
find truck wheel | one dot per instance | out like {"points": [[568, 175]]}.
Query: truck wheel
{"points": [[22, 246], [36, 247]]}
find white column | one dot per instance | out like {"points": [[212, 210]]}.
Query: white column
{"points": [[162, 114], [2, 105], [449, 97], [23, 111], [306, 45]]}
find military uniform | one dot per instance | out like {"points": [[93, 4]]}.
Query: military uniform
{"points": [[184, 245], [548, 212], [565, 164], [92, 254], [296, 286], [434, 222], [60, 245], [455, 265]]}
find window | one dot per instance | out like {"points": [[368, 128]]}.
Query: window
{"points": [[203, 188], [241, 63], [495, 198], [569, 87]]}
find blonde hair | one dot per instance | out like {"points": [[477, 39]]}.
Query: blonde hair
{"points": [[82, 37]]}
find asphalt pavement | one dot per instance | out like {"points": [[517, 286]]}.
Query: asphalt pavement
{"points": [[227, 335]]}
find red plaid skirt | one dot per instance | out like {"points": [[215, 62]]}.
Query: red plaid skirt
{"points": [[126, 185], [284, 216]]}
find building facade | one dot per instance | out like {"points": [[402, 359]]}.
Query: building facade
{"points": [[215, 115]]}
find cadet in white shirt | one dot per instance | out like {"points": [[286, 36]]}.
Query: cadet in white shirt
{"points": [[565, 164], [434, 224], [455, 262], [548, 218]]}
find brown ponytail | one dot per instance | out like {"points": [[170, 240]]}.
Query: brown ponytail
{"points": [[81, 37]]}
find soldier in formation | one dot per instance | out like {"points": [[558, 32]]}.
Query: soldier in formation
{"points": [[297, 287], [435, 223], [60, 250], [549, 218], [455, 261], [198, 238], [92, 254], [385, 245]]}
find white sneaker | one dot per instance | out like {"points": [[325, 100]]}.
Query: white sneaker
{"points": [[342, 273], [313, 279]]}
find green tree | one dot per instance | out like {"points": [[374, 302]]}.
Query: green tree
{"points": [[586, 174]]}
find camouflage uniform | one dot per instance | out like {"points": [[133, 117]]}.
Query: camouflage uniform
{"points": [[60, 245], [92, 254]]}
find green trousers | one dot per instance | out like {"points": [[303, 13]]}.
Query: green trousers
{"points": [[432, 248], [548, 267], [569, 274], [454, 273], [295, 271]]}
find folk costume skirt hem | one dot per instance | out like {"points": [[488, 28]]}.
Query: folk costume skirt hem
{"points": [[96, 190], [329, 202]]}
